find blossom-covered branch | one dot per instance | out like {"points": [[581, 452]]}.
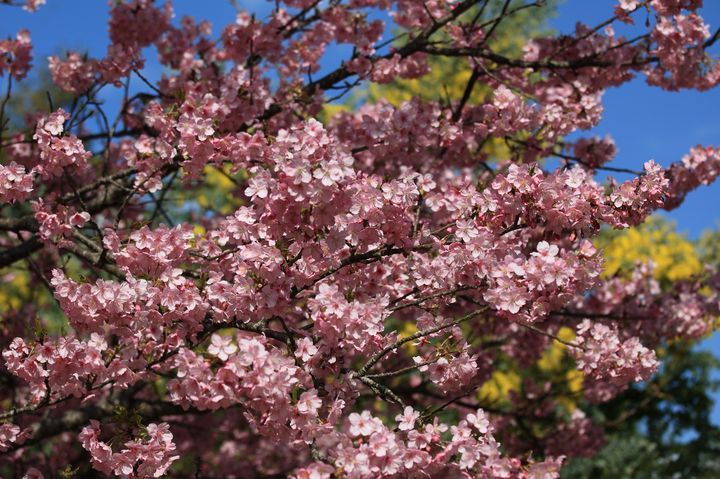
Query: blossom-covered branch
{"points": [[237, 264]]}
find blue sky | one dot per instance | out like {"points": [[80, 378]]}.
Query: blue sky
{"points": [[646, 123]]}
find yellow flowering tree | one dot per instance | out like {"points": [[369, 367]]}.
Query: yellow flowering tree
{"points": [[675, 257]]}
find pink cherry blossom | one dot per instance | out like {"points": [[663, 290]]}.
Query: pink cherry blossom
{"points": [[406, 420], [221, 347], [15, 184], [250, 278], [16, 55]]}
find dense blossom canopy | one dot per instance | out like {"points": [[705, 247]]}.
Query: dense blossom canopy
{"points": [[374, 269]]}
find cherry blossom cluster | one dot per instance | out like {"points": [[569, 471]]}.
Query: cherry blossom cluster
{"points": [[368, 448], [16, 55], [9, 434], [145, 457], [256, 375], [682, 33], [63, 367], [33, 5], [58, 153], [604, 357], [578, 437], [73, 75], [699, 167], [594, 152], [368, 274], [687, 313], [117, 305], [60, 223], [15, 184]]}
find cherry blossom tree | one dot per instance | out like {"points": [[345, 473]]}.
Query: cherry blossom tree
{"points": [[373, 272]]}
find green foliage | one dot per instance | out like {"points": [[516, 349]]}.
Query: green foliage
{"points": [[709, 247]]}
